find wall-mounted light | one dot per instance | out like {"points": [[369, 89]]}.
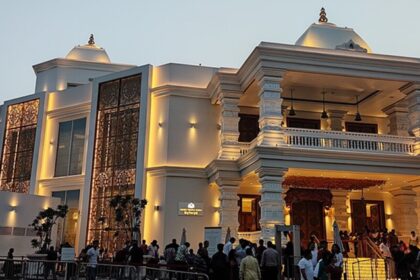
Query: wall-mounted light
{"points": [[160, 124], [157, 207], [12, 208], [219, 126], [193, 125], [216, 209], [327, 210], [52, 141], [388, 216]]}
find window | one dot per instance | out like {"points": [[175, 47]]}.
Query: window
{"points": [[248, 127], [303, 123], [362, 127], [67, 228], [71, 142], [18, 146]]}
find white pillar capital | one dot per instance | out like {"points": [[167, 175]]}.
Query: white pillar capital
{"points": [[335, 119]]}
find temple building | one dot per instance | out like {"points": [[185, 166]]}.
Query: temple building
{"points": [[320, 131]]}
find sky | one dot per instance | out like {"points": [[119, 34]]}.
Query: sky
{"points": [[218, 33]]}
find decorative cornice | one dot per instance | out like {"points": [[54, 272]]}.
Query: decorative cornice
{"points": [[63, 62], [330, 183], [176, 90], [223, 172], [65, 181], [224, 85], [177, 171], [77, 109]]}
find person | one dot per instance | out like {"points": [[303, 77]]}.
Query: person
{"points": [[153, 250], [392, 238], [199, 264], [170, 252], [241, 250], [233, 265], [229, 245], [49, 265], [181, 254], [337, 262], [305, 266], [204, 253], [143, 247], [346, 238], [402, 246], [270, 262], [259, 251], [322, 268], [288, 261], [323, 249], [386, 254], [190, 257], [414, 240], [249, 268], [219, 264], [93, 255], [136, 255], [8, 267]]}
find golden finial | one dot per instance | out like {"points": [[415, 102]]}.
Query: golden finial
{"points": [[323, 16], [91, 41]]}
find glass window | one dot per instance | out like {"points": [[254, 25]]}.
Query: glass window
{"points": [[71, 140], [67, 228]]}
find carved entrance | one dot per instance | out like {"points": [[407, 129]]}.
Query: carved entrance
{"points": [[249, 213], [307, 211], [368, 213]]}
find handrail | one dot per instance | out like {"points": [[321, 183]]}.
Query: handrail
{"points": [[374, 248]]}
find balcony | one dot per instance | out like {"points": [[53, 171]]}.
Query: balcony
{"points": [[342, 141]]}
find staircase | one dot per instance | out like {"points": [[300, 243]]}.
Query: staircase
{"points": [[365, 269]]}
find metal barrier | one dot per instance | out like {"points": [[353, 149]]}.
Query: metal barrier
{"points": [[44, 269]]}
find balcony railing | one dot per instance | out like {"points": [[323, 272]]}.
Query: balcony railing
{"points": [[343, 141]]}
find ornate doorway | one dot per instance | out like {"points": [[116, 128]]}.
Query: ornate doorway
{"points": [[309, 216], [249, 213], [307, 211], [368, 213]]}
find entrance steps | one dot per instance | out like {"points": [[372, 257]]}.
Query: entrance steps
{"points": [[365, 269]]}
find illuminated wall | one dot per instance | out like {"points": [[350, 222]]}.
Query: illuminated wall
{"points": [[18, 146], [115, 153]]}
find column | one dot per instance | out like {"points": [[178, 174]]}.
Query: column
{"points": [[341, 214], [271, 117], [335, 119], [229, 208], [417, 190], [412, 91], [398, 118], [272, 202], [229, 146], [404, 214]]}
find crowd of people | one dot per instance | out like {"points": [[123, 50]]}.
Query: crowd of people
{"points": [[244, 260]]}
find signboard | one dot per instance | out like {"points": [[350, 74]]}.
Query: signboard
{"points": [[67, 254], [190, 209], [214, 236]]}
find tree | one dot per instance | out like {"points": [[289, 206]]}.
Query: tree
{"points": [[127, 216], [43, 225]]}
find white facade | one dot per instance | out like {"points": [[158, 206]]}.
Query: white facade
{"points": [[192, 117]]}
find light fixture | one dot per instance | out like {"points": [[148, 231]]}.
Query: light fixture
{"points": [[193, 125], [324, 114], [292, 110], [157, 207], [12, 209], [160, 124], [218, 126], [358, 117]]}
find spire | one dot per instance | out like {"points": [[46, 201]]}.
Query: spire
{"points": [[323, 16], [91, 41]]}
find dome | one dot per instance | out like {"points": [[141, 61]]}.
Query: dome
{"points": [[89, 52], [329, 36]]}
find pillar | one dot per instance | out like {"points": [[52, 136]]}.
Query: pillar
{"points": [[229, 208], [229, 146], [412, 91], [417, 190], [335, 119], [404, 214], [339, 203], [398, 118], [271, 117], [272, 202]]}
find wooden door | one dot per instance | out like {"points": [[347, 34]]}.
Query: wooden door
{"points": [[249, 213], [309, 216], [370, 213]]}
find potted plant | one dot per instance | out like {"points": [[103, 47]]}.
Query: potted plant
{"points": [[42, 225], [127, 212]]}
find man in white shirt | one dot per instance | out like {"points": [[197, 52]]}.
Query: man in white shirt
{"points": [[306, 267], [229, 246], [93, 255]]}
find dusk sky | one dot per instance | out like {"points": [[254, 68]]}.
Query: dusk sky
{"points": [[213, 32]]}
